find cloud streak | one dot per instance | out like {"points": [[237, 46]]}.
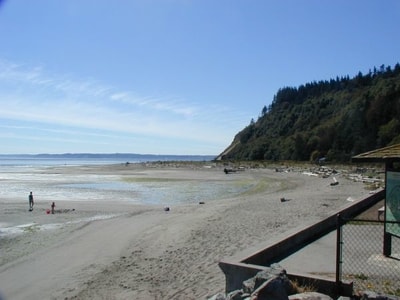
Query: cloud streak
{"points": [[29, 94]]}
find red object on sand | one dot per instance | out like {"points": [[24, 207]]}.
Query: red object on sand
{"points": [[48, 211]]}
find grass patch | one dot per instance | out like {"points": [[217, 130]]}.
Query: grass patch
{"points": [[298, 288]]}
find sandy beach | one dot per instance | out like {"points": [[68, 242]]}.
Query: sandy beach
{"points": [[118, 247]]}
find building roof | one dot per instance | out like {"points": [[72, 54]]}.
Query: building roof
{"points": [[391, 153]]}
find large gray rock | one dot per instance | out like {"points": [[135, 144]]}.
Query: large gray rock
{"points": [[273, 289], [275, 271], [370, 295], [271, 284]]}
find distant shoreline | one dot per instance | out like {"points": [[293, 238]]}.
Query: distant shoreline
{"points": [[77, 159], [109, 155]]}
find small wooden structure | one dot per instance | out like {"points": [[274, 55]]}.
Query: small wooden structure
{"points": [[385, 155], [390, 156]]}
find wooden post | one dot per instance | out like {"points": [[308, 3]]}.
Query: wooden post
{"points": [[387, 237]]}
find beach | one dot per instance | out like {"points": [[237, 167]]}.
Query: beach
{"points": [[107, 243]]}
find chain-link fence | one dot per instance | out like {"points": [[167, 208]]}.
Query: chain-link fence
{"points": [[362, 257]]}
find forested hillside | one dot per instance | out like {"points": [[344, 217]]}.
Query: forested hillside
{"points": [[335, 119]]}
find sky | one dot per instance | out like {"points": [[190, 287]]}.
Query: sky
{"points": [[171, 76]]}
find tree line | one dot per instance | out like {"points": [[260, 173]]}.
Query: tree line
{"points": [[335, 119]]}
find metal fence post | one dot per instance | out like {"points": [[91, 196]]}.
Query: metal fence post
{"points": [[339, 243]]}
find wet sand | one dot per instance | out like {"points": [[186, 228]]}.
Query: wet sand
{"points": [[119, 249]]}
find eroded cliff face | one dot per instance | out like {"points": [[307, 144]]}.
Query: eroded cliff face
{"points": [[228, 150]]}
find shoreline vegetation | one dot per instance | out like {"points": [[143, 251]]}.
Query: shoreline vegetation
{"points": [[121, 250]]}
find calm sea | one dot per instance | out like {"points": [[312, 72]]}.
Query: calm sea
{"points": [[23, 173], [92, 159]]}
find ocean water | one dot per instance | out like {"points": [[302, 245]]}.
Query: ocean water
{"points": [[20, 175], [91, 159]]}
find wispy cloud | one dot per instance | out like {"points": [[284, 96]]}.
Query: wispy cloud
{"points": [[61, 132], [30, 94], [75, 92], [167, 104]]}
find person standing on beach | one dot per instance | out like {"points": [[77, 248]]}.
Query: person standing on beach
{"points": [[30, 201]]}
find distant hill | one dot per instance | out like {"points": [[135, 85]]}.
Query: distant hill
{"points": [[334, 119]]}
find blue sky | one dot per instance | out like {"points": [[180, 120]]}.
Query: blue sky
{"points": [[171, 76]]}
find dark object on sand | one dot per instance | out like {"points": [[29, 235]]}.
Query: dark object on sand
{"points": [[166, 208], [60, 211], [201, 202], [227, 171], [283, 199]]}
